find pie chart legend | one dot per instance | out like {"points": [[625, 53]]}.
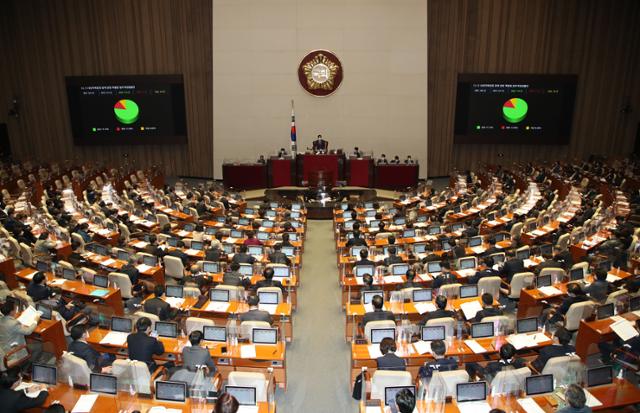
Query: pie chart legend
{"points": [[126, 111], [514, 110]]}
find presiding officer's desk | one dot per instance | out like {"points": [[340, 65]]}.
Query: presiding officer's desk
{"points": [[267, 356], [125, 402]]}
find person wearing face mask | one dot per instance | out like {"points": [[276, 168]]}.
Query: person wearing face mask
{"points": [[80, 348]]}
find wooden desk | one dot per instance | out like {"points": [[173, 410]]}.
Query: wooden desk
{"points": [[125, 402], [590, 333], [351, 286], [112, 300], [7, 267], [266, 355], [154, 273], [51, 334]]}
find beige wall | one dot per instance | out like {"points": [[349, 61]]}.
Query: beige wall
{"points": [[381, 105]]}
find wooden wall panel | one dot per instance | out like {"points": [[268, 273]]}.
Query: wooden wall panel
{"points": [[595, 39], [48, 40]]}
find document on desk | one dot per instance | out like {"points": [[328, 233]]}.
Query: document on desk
{"points": [[191, 252], [528, 263], [592, 401], [248, 351], [422, 308], [612, 278], [140, 244], [175, 302], [182, 233], [467, 273], [108, 262], [115, 338], [624, 329], [30, 275], [270, 308], [217, 306], [530, 406], [143, 267], [478, 249], [550, 290], [247, 409], [85, 403], [57, 282], [393, 279], [538, 232], [474, 407], [230, 240], [520, 341], [368, 308], [470, 309], [475, 346], [422, 347], [374, 351], [29, 317]]}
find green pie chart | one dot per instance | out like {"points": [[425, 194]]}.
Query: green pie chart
{"points": [[514, 110], [126, 111]]}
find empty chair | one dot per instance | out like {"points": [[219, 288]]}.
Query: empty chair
{"points": [[450, 290], [502, 322], [139, 314], [123, 282], [246, 327], [510, 381], [449, 324], [162, 220], [516, 230], [578, 311], [276, 290], [87, 274], [133, 375], [250, 379], [616, 295], [377, 324], [557, 274], [124, 232], [385, 378], [490, 285], [173, 267], [518, 282], [75, 368], [78, 238], [26, 255], [197, 323], [445, 382], [560, 366]]}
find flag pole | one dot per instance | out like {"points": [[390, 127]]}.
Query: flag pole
{"points": [[294, 143]]}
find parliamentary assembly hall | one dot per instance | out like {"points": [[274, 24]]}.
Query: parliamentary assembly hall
{"points": [[319, 206]]}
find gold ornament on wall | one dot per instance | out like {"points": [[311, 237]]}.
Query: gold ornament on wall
{"points": [[320, 73]]}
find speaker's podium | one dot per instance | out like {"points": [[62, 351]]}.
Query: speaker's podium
{"points": [[325, 168]]}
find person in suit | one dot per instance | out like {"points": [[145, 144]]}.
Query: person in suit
{"points": [[459, 250], [507, 360], [80, 348], [389, 360], [320, 145], [153, 248], [364, 258], [279, 257], [577, 400], [511, 267], [13, 332], [268, 280], [378, 313], [488, 310], [232, 277], [600, 288], [43, 248], [194, 355], [213, 253], [356, 240], [440, 362], [445, 277], [242, 257], [254, 313], [142, 346], [563, 348], [178, 253], [492, 247], [38, 288], [440, 312], [575, 294], [285, 240], [157, 305], [14, 401], [367, 281], [392, 258], [130, 269], [488, 271], [410, 275], [549, 262]]}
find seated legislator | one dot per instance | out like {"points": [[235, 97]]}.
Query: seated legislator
{"points": [[157, 305], [14, 401], [600, 288], [393, 257], [487, 271], [488, 310], [355, 241], [320, 145], [12, 332], [576, 400], [364, 258], [445, 277], [411, 275], [242, 257], [575, 294], [232, 276], [507, 359], [378, 313], [251, 239], [195, 355], [389, 360], [80, 348], [563, 348], [441, 312], [254, 313], [37, 288], [142, 346], [279, 257], [268, 280], [441, 362]]}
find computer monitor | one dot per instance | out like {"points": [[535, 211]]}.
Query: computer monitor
{"points": [[121, 324], [211, 267], [243, 221], [215, 333], [409, 233], [523, 254], [361, 270], [605, 311], [270, 213], [281, 272], [501, 236], [197, 245], [421, 218], [434, 267], [599, 376], [166, 329], [236, 233], [475, 242], [123, 255], [255, 250], [491, 216], [210, 230], [543, 280], [264, 335], [422, 295], [42, 266], [390, 393], [262, 236], [457, 209], [246, 270], [289, 251], [399, 269], [266, 223], [228, 248], [400, 221], [250, 211], [634, 304], [150, 260], [377, 334], [344, 205], [268, 297], [434, 230], [467, 263], [103, 383], [370, 213], [481, 330], [374, 223], [348, 225], [219, 295], [220, 219], [498, 258], [540, 384], [527, 325], [102, 250], [346, 214], [100, 281], [68, 274], [355, 250], [293, 236], [172, 242], [532, 226], [446, 246], [175, 291], [576, 274], [246, 396], [296, 207], [41, 373], [368, 205], [45, 310], [419, 248], [546, 249], [457, 227], [431, 333], [171, 391], [367, 296], [467, 291], [186, 210], [471, 392]]}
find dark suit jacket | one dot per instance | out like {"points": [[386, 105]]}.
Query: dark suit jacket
{"points": [[265, 283], [437, 314], [496, 367], [132, 272], [142, 348], [444, 364], [193, 356], [16, 401], [391, 362], [489, 272], [511, 267], [548, 352], [86, 353], [38, 291], [365, 262], [378, 315], [598, 290], [232, 278], [212, 254], [444, 278], [320, 145], [354, 242], [568, 301], [392, 259], [491, 250], [243, 258], [459, 251], [256, 315], [279, 257], [158, 307], [487, 312]]}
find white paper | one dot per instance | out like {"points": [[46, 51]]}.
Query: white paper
{"points": [[616, 318], [271, 308], [30, 275], [57, 282], [470, 309], [183, 233], [217, 306], [140, 244], [85, 403], [624, 329], [115, 338], [374, 351], [108, 262], [528, 263], [592, 401], [422, 347], [29, 316], [474, 407], [372, 409], [530, 406], [424, 277], [550, 290], [368, 308], [191, 252], [247, 409], [393, 279], [475, 346], [612, 278], [143, 267], [538, 232], [359, 281], [540, 338], [520, 341], [248, 351], [230, 240], [467, 273], [174, 302], [424, 307], [636, 313], [478, 250]]}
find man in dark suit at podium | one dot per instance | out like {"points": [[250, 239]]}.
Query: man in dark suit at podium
{"points": [[320, 145]]}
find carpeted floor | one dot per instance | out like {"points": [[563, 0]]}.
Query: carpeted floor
{"points": [[318, 359]]}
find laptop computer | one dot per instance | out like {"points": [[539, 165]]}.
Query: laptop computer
{"points": [[377, 334], [481, 330], [246, 396], [543, 280], [214, 333], [434, 267], [399, 269], [390, 395], [467, 291], [175, 291], [527, 325], [150, 260], [431, 333], [42, 373], [121, 324], [101, 281], [103, 383], [540, 384], [471, 392], [212, 267], [467, 263], [605, 311], [268, 297], [166, 329], [367, 296], [219, 295], [171, 391], [576, 274], [45, 310], [197, 245], [360, 270], [422, 295], [599, 376], [264, 335], [68, 274]]}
